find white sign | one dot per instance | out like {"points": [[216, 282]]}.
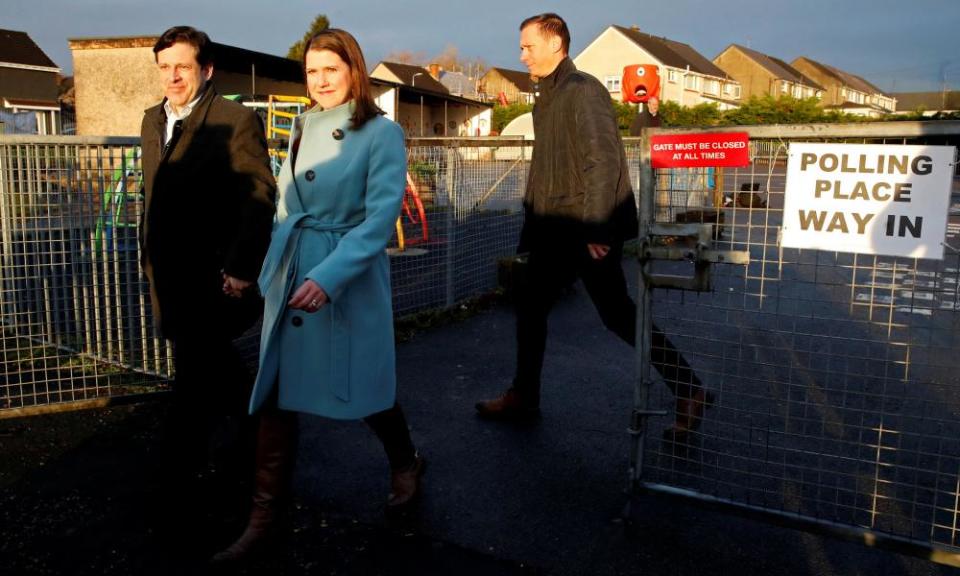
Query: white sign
{"points": [[868, 198]]}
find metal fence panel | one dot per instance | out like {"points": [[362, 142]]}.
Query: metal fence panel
{"points": [[836, 376], [74, 312], [472, 192]]}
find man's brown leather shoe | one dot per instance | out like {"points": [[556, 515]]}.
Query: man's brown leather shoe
{"points": [[690, 412], [508, 406], [405, 482]]}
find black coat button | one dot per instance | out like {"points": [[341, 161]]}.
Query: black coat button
{"points": [[297, 321], [310, 175], [338, 134]]}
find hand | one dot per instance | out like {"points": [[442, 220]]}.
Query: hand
{"points": [[234, 287], [309, 297], [598, 251]]}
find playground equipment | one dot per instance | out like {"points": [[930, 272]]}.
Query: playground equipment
{"points": [[281, 111], [412, 209], [118, 204]]}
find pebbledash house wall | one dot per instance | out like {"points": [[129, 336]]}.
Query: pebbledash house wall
{"points": [[754, 78], [116, 80]]}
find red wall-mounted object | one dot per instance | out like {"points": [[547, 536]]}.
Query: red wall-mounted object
{"points": [[640, 82]]}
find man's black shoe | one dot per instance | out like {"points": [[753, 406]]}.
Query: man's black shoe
{"points": [[509, 406]]}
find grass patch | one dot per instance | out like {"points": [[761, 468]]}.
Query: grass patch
{"points": [[407, 327]]}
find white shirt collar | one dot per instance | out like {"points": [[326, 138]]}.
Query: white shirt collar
{"points": [[184, 110], [174, 117]]}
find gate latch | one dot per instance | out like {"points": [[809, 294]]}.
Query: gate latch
{"points": [[685, 243]]}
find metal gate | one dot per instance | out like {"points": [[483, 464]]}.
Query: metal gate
{"points": [[835, 376]]}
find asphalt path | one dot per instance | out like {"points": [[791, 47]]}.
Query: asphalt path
{"points": [[550, 495]]}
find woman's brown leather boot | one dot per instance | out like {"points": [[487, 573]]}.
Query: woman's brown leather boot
{"points": [[276, 453]]}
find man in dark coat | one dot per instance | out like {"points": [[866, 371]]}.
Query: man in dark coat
{"points": [[646, 118], [209, 204], [579, 209]]}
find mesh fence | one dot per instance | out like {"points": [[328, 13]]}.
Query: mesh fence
{"points": [[471, 194], [74, 312], [835, 377], [75, 320]]}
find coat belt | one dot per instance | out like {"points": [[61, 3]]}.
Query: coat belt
{"points": [[277, 287], [288, 233]]}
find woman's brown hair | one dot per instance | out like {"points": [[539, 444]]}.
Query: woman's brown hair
{"points": [[344, 45]]}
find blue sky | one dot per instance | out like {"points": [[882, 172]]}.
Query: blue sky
{"points": [[898, 45]]}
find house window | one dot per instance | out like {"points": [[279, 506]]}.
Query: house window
{"points": [[731, 90], [711, 87], [612, 83], [672, 76], [798, 91], [691, 82], [784, 86]]}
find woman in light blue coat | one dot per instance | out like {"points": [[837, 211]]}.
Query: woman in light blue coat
{"points": [[327, 344]]}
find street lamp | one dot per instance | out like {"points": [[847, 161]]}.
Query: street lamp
{"points": [[413, 83]]}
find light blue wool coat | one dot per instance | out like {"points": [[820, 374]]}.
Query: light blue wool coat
{"points": [[338, 204]]}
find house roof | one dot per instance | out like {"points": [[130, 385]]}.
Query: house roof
{"points": [[672, 53], [405, 72], [240, 60], [226, 58], [778, 67], [28, 103], [19, 48], [21, 84], [518, 78], [406, 90], [846, 78], [910, 101], [855, 106], [458, 83]]}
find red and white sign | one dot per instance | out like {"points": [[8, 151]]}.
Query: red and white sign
{"points": [[726, 149]]}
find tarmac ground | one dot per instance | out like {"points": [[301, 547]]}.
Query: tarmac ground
{"points": [[540, 498]]}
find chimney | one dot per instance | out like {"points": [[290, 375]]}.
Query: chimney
{"points": [[435, 70]]}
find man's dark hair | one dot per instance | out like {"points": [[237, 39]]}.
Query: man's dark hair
{"points": [[188, 35], [551, 25]]}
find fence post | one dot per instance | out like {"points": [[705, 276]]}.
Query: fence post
{"points": [[452, 217], [644, 331], [6, 238]]}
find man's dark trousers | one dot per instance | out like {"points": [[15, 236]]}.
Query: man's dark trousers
{"points": [[549, 271], [211, 390]]}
